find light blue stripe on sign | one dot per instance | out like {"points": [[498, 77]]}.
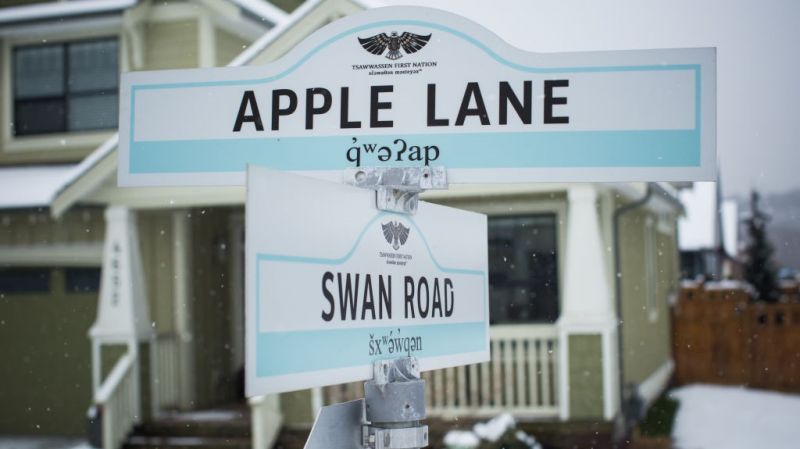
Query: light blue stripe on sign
{"points": [[281, 353], [658, 148]]}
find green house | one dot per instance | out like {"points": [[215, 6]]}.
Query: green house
{"points": [[129, 301]]}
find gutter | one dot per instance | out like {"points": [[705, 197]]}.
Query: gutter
{"points": [[618, 213]]}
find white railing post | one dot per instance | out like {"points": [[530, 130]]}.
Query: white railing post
{"points": [[182, 288], [266, 420], [122, 319], [116, 399]]}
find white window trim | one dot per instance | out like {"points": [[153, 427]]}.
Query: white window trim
{"points": [[51, 142]]}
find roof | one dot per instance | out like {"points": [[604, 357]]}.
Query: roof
{"points": [[266, 11], [57, 10], [60, 10], [30, 187], [264, 41]]}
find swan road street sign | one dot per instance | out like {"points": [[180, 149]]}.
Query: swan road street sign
{"points": [[334, 284], [405, 86]]}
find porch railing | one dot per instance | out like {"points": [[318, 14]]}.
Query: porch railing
{"points": [[521, 378], [266, 420], [117, 400]]}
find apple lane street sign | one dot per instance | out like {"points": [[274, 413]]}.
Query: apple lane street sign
{"points": [[334, 284], [410, 86]]}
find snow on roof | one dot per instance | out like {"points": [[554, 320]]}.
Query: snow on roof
{"points": [[263, 9], [730, 227], [698, 228], [263, 42], [52, 10], [269, 37], [31, 186]]}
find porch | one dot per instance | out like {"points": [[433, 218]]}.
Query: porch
{"points": [[521, 378], [538, 372]]}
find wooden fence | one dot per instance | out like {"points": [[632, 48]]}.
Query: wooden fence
{"points": [[720, 336]]}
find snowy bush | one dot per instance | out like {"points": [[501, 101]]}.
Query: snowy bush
{"points": [[499, 432]]}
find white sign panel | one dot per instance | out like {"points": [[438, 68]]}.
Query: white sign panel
{"points": [[410, 86], [333, 284]]}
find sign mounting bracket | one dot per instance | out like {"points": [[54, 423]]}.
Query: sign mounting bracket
{"points": [[397, 189]]}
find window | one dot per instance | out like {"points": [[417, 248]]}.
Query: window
{"points": [[82, 280], [24, 280], [65, 87], [523, 269]]}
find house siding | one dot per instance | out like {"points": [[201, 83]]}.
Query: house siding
{"points": [[585, 377], [228, 47], [36, 227], [646, 339], [46, 369], [171, 45]]}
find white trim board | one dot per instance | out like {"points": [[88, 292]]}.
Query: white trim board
{"points": [[75, 254]]}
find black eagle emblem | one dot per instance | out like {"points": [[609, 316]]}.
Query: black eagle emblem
{"points": [[409, 42], [395, 233]]}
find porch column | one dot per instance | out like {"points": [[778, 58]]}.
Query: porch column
{"points": [[122, 313], [587, 326], [182, 285]]}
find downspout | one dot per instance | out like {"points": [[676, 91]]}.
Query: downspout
{"points": [[618, 213]]}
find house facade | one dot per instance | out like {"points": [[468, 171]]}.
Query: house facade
{"points": [[134, 296]]}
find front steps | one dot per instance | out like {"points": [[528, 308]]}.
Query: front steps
{"points": [[224, 428]]}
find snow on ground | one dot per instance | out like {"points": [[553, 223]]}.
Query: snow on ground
{"points": [[208, 415], [717, 417], [493, 429]]}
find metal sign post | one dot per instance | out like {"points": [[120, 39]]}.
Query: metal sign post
{"points": [[397, 188], [395, 405], [388, 417]]}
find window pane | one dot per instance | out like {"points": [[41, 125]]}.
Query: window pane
{"points": [[39, 71], [92, 112], [82, 280], [90, 72], [93, 66], [38, 116], [24, 280], [523, 269]]}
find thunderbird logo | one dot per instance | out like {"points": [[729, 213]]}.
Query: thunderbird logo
{"points": [[409, 42], [395, 234]]}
